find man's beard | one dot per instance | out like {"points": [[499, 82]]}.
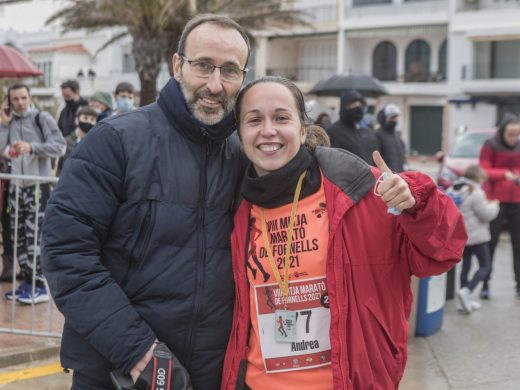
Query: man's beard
{"points": [[208, 116]]}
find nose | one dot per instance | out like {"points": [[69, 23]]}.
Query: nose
{"points": [[214, 83], [268, 129]]}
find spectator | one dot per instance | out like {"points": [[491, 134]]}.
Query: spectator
{"points": [[101, 102], [323, 120], [392, 147], [500, 157], [85, 120], [478, 212], [73, 102], [124, 95], [346, 132], [33, 140]]}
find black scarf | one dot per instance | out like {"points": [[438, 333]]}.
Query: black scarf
{"points": [[172, 102], [277, 188]]}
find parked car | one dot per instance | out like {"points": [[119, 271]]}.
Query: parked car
{"points": [[464, 152]]}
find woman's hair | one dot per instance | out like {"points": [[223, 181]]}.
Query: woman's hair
{"points": [[316, 136], [508, 119], [295, 91], [475, 173]]}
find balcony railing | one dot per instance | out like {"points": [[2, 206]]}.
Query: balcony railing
{"points": [[303, 74], [473, 5]]}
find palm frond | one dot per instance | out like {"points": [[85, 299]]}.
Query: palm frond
{"points": [[115, 38]]}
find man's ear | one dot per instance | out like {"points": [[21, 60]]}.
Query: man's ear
{"points": [[176, 64]]}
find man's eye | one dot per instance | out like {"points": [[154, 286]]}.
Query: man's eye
{"points": [[230, 71], [203, 66]]}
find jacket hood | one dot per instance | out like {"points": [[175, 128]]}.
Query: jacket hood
{"points": [[173, 104], [347, 98]]}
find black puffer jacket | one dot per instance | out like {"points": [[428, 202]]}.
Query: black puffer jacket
{"points": [[392, 149], [136, 241], [346, 133]]}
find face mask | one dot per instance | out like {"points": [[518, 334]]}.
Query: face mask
{"points": [[391, 125], [125, 104], [97, 110], [69, 102], [355, 114], [85, 126]]}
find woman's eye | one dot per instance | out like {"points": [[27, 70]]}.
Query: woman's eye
{"points": [[253, 120], [282, 118]]}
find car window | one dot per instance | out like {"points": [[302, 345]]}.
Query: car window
{"points": [[468, 145]]}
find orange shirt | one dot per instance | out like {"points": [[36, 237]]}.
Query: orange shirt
{"points": [[304, 364]]}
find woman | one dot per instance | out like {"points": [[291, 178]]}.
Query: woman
{"points": [[500, 157], [333, 313]]}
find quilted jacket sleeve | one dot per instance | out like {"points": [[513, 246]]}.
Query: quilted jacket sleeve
{"points": [[77, 222], [435, 234]]}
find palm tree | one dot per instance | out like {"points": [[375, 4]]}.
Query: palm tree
{"points": [[155, 25]]}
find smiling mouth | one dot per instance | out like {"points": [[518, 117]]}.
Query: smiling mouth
{"points": [[211, 102], [269, 147]]}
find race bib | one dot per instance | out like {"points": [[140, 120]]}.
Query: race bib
{"points": [[309, 318]]}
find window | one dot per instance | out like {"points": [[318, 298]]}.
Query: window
{"points": [[497, 60], [417, 61], [46, 68], [443, 60], [384, 61], [316, 60], [128, 63]]}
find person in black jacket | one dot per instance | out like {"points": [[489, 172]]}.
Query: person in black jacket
{"points": [[390, 142], [136, 235], [347, 134]]}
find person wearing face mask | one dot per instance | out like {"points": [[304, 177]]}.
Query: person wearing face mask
{"points": [[392, 148], [124, 95], [101, 102], [73, 102], [347, 133], [85, 120]]}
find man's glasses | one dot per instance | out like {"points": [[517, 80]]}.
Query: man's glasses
{"points": [[229, 73]]}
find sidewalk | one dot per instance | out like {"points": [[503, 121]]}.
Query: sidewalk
{"points": [[23, 348], [480, 351]]}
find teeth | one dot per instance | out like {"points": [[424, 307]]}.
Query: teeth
{"points": [[270, 147]]}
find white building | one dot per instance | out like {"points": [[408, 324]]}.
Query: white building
{"points": [[446, 63]]}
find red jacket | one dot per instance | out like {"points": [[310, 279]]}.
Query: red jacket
{"points": [[371, 257], [497, 159]]}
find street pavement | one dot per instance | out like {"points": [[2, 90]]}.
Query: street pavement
{"points": [[480, 351]]}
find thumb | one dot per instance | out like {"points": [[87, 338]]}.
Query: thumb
{"points": [[380, 163]]}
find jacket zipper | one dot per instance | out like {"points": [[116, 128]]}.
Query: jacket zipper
{"points": [[201, 253]]}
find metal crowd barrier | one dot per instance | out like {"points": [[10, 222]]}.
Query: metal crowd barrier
{"points": [[42, 319]]}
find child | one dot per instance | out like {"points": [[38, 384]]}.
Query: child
{"points": [[124, 95], [478, 212], [85, 120]]}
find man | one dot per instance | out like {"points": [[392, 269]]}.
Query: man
{"points": [[73, 101], [136, 234], [101, 102], [347, 134], [33, 139], [391, 144], [124, 95]]}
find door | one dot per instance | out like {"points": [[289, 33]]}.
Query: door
{"points": [[425, 129]]}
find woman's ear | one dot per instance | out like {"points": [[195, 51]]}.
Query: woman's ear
{"points": [[303, 134]]}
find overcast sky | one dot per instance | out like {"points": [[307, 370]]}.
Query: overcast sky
{"points": [[28, 15]]}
